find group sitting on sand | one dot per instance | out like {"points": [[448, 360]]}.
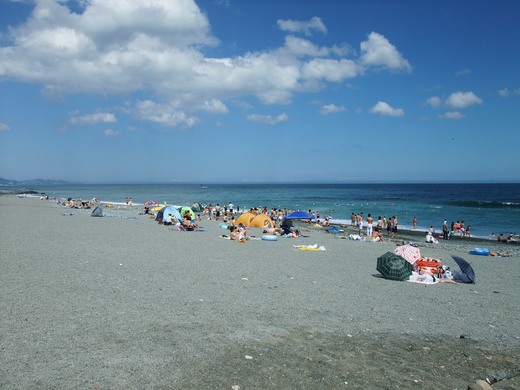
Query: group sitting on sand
{"points": [[238, 233], [502, 238]]}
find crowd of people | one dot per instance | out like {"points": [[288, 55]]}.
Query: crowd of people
{"points": [[368, 225], [375, 228]]}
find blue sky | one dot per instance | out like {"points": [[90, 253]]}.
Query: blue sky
{"points": [[205, 91]]}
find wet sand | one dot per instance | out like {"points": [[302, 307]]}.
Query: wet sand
{"points": [[121, 302]]}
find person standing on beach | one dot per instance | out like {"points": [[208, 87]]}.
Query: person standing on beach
{"points": [[360, 222], [370, 221], [445, 230], [379, 225], [389, 226], [414, 223], [394, 226], [217, 212]]}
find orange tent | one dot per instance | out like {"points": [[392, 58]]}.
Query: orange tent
{"points": [[245, 219], [260, 220]]}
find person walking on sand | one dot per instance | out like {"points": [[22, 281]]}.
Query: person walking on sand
{"points": [[445, 230], [370, 222]]}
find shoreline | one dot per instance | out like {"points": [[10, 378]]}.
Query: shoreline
{"points": [[487, 212]]}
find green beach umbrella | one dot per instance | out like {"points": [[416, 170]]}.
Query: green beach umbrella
{"points": [[393, 267]]}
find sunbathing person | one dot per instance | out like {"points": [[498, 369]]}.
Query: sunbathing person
{"points": [[186, 222], [237, 233], [271, 230]]}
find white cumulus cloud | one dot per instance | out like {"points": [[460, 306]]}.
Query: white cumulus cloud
{"points": [[378, 51], [127, 47], [303, 27], [434, 101], [455, 100], [304, 47], [331, 109], [505, 92], [451, 115], [165, 114], [462, 100], [383, 108], [90, 119], [110, 133], [268, 118]]}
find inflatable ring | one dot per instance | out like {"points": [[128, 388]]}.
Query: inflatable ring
{"points": [[270, 237], [429, 262]]}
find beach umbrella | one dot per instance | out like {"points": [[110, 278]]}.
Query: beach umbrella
{"points": [[188, 209], [150, 203], [299, 215], [466, 274], [408, 252], [393, 267]]}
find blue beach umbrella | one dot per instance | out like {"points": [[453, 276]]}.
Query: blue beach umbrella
{"points": [[466, 274], [299, 215]]}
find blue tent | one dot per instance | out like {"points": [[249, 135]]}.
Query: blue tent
{"points": [[166, 211], [299, 215], [98, 211]]}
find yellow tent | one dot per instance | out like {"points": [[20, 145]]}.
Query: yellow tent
{"points": [[260, 221], [245, 218]]}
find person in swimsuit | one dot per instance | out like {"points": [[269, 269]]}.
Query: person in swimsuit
{"points": [[370, 222]]}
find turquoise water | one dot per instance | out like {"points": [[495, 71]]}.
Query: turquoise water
{"points": [[487, 208]]}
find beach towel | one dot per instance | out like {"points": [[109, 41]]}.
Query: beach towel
{"points": [[422, 279], [314, 247]]}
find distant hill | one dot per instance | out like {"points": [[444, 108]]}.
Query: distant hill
{"points": [[32, 182]]}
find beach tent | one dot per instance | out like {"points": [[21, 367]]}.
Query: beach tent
{"points": [[245, 218], [98, 211], [260, 221], [197, 207], [169, 212], [164, 214], [188, 209]]}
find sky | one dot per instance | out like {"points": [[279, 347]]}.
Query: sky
{"points": [[244, 91]]}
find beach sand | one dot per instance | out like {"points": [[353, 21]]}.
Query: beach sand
{"points": [[121, 302]]}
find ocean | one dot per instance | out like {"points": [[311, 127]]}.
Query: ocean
{"points": [[487, 208]]}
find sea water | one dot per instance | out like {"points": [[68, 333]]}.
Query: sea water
{"points": [[487, 208]]}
